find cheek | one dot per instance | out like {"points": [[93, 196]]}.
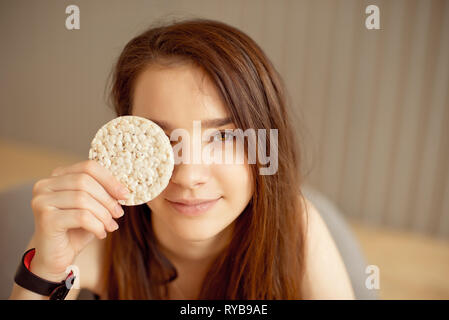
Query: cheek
{"points": [[157, 204], [235, 182]]}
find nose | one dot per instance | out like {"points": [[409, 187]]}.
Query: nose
{"points": [[190, 176]]}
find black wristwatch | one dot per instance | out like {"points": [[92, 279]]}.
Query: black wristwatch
{"points": [[28, 280]]}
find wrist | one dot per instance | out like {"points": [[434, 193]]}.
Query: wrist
{"points": [[42, 271], [40, 281]]}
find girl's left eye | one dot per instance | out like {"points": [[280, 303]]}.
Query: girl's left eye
{"points": [[222, 136]]}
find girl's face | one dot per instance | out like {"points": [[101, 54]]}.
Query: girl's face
{"points": [[174, 97]]}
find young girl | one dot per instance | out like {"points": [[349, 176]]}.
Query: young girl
{"points": [[258, 238]]}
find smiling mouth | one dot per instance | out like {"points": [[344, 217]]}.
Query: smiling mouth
{"points": [[194, 207]]}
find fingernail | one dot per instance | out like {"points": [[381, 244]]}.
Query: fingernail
{"points": [[114, 225], [119, 210]]}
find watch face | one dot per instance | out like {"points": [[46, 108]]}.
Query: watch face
{"points": [[61, 291]]}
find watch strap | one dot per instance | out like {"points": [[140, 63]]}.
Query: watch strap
{"points": [[28, 280]]}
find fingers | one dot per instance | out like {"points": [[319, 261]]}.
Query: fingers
{"points": [[80, 200], [104, 177], [85, 182], [74, 218]]}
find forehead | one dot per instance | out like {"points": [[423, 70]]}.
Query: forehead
{"points": [[177, 95]]}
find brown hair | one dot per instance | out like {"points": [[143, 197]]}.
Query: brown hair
{"points": [[265, 258]]}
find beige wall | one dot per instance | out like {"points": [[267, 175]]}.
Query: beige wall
{"points": [[375, 103]]}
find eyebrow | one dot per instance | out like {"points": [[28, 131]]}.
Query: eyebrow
{"points": [[208, 123]]}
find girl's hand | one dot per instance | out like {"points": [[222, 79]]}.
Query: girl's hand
{"points": [[74, 205]]}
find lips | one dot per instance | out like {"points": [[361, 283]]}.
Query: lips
{"points": [[191, 202], [193, 207]]}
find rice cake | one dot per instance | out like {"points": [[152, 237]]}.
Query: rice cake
{"points": [[138, 153]]}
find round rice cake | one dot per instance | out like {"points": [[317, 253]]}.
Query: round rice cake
{"points": [[138, 153]]}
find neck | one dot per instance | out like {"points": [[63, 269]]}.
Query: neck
{"points": [[192, 259], [195, 253]]}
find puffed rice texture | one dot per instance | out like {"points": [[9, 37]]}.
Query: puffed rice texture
{"points": [[138, 153]]}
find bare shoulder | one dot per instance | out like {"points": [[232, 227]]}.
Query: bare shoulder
{"points": [[88, 263], [326, 276]]}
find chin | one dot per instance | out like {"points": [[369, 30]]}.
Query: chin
{"points": [[196, 237], [197, 233]]}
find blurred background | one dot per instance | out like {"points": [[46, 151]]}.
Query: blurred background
{"points": [[374, 106]]}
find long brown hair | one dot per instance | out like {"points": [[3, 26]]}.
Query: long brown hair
{"points": [[265, 258]]}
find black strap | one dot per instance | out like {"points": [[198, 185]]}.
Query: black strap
{"points": [[28, 280]]}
